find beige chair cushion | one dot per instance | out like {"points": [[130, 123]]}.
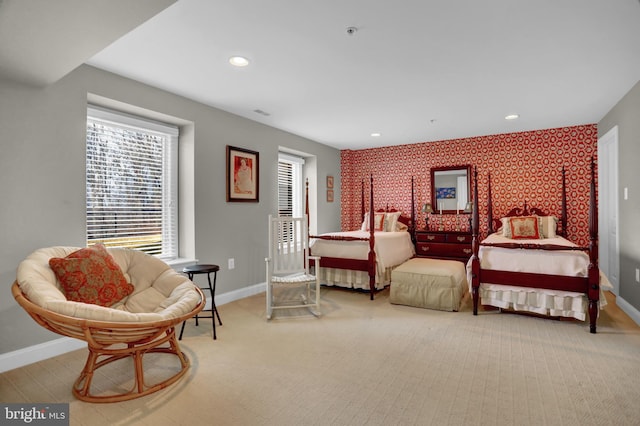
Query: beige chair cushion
{"points": [[160, 292]]}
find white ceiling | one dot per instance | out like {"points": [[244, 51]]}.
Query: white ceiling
{"points": [[415, 71]]}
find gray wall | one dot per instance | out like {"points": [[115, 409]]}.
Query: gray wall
{"points": [[42, 172], [626, 115]]}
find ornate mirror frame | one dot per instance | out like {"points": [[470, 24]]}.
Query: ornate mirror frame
{"points": [[450, 189]]}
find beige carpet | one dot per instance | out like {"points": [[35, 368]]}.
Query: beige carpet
{"points": [[372, 363]]}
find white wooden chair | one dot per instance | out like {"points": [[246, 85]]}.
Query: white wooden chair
{"points": [[288, 265]]}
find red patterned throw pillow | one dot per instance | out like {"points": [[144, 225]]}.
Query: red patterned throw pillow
{"points": [[378, 222], [91, 275], [525, 227]]}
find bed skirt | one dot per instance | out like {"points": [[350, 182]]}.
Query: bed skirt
{"points": [[353, 279], [540, 301]]}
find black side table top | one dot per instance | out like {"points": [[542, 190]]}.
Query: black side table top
{"points": [[200, 269]]}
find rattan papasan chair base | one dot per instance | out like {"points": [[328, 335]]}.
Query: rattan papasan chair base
{"points": [[127, 329]]}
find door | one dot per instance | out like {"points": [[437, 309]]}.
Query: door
{"points": [[609, 258]]}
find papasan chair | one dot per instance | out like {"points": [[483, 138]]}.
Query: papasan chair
{"points": [[123, 303]]}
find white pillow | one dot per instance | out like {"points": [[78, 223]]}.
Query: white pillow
{"points": [[365, 222], [391, 221], [401, 227], [549, 225]]}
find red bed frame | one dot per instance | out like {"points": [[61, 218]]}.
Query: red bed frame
{"points": [[368, 265], [589, 285]]}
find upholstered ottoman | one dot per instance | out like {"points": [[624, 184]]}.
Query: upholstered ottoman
{"points": [[429, 283]]}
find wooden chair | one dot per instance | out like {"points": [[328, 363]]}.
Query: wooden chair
{"points": [[143, 323], [288, 265]]}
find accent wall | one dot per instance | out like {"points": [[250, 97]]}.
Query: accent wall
{"points": [[524, 167]]}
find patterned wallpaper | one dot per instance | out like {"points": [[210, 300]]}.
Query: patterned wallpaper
{"points": [[525, 166]]}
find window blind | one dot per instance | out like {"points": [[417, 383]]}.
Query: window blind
{"points": [[131, 183], [285, 201], [290, 199]]}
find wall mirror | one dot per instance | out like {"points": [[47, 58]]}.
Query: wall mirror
{"points": [[450, 189]]}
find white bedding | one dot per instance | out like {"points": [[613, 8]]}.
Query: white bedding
{"points": [[391, 248], [541, 301]]}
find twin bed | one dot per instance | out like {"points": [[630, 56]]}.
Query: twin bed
{"points": [[525, 264], [363, 259]]}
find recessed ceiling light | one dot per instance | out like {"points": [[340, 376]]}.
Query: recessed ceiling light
{"points": [[511, 116], [238, 61], [375, 135]]}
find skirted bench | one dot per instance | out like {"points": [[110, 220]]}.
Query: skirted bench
{"points": [[429, 283]]}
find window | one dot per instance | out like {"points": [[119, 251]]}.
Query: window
{"points": [[132, 183], [290, 197]]}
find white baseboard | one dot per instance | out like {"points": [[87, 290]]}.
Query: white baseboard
{"points": [[39, 352], [628, 309], [240, 294], [42, 351]]}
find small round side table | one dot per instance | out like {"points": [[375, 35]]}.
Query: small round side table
{"points": [[205, 269]]}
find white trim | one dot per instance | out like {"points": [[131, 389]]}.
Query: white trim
{"points": [[232, 296], [628, 309], [242, 293], [179, 263], [609, 165], [42, 351], [39, 352], [120, 118], [289, 158]]}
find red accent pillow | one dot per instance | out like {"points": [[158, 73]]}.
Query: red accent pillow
{"points": [[525, 227], [91, 275], [378, 222]]}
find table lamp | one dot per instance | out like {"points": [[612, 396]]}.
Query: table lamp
{"points": [[428, 209]]}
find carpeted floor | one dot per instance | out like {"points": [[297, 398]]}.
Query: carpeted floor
{"points": [[371, 363]]}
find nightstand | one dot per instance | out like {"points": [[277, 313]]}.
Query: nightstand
{"points": [[453, 245]]}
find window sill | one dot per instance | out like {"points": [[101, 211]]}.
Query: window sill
{"points": [[180, 263]]}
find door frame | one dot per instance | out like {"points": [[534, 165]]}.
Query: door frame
{"points": [[610, 138]]}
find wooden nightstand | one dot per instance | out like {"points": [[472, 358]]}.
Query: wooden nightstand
{"points": [[453, 245]]}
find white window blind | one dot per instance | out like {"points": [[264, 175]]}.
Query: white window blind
{"points": [[132, 183], [290, 193]]}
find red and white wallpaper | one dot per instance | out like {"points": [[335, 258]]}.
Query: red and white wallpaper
{"points": [[525, 166]]}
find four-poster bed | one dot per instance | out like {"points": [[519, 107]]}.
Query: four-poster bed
{"points": [[544, 274], [363, 259]]}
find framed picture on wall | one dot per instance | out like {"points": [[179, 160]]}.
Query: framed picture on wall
{"points": [[330, 195], [242, 175], [329, 182]]}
